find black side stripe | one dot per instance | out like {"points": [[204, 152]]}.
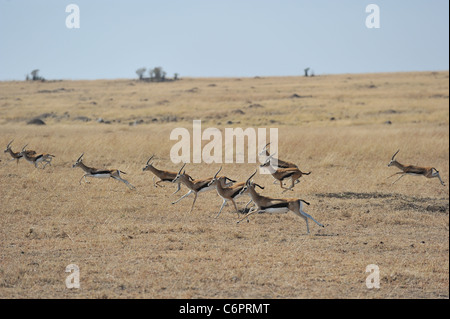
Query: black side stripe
{"points": [[203, 186], [236, 192], [288, 175]]}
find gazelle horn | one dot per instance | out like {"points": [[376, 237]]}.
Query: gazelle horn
{"points": [[218, 172], [80, 157], [395, 154], [150, 158], [181, 168], [248, 180]]}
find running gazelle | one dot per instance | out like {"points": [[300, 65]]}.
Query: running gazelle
{"points": [[164, 176], [16, 155], [100, 173], [31, 157], [275, 205], [428, 172], [227, 193]]}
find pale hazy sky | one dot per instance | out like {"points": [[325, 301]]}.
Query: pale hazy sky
{"points": [[215, 38]]}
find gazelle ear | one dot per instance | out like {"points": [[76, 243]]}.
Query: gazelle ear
{"points": [[231, 180]]}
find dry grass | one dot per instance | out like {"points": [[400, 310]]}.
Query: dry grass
{"points": [[135, 244]]}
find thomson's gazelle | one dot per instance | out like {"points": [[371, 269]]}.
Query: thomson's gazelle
{"points": [[16, 155], [45, 159], [100, 173], [164, 176], [195, 186], [280, 174], [274, 205], [428, 172], [227, 193]]}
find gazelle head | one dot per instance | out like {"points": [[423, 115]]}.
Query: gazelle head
{"points": [[8, 147], [249, 184], [148, 164], [223, 180], [215, 179], [264, 151], [268, 161], [78, 162], [179, 174], [392, 159], [23, 151]]}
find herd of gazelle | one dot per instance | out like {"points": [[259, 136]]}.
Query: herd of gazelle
{"points": [[227, 189]]}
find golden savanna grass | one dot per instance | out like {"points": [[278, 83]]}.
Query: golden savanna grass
{"points": [[135, 244]]}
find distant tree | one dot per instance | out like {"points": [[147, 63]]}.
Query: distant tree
{"points": [[306, 71], [158, 74], [34, 75], [140, 72], [175, 76]]}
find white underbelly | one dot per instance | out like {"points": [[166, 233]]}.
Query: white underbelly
{"points": [[207, 188], [101, 175], [279, 210]]}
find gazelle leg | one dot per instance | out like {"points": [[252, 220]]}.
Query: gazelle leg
{"points": [[178, 188], [395, 174], [85, 180], [309, 216], [185, 195], [124, 181], [235, 207], [251, 200], [157, 183], [192, 207], [223, 205], [252, 211], [398, 179], [436, 174]]}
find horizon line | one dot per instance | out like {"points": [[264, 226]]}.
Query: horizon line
{"points": [[226, 77]]}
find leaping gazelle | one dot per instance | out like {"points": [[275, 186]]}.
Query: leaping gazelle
{"points": [[45, 159], [428, 172], [280, 174], [227, 193], [16, 155], [195, 186], [164, 176], [274, 205], [100, 173]]}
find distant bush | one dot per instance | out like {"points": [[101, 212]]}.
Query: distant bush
{"points": [[156, 74]]}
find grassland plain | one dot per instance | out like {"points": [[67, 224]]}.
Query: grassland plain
{"points": [[135, 244]]}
